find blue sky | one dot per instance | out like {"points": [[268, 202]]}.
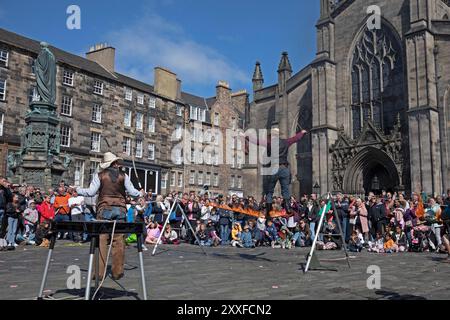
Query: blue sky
{"points": [[203, 41]]}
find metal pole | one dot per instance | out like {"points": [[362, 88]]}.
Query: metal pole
{"points": [[316, 238], [192, 229], [336, 216], [141, 262], [91, 263], [164, 227], [47, 265]]}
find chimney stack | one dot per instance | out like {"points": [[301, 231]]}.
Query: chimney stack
{"points": [[104, 55], [223, 92]]}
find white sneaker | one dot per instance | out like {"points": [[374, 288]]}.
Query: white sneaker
{"points": [[144, 248], [31, 243]]}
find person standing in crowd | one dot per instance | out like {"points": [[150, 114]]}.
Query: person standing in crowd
{"points": [[61, 206], [13, 213], [31, 218], [5, 197], [313, 214], [76, 204], [51, 193], [112, 185], [433, 212], [359, 212], [342, 206]]}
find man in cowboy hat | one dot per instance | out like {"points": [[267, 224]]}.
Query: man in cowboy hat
{"points": [[112, 186]]}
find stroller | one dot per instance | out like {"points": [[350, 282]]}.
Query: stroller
{"points": [[422, 239]]}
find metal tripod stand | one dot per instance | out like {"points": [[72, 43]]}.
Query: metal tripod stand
{"points": [[176, 204]]}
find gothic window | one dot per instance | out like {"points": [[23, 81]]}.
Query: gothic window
{"points": [[377, 74]]}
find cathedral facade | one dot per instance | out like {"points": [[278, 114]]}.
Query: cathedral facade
{"points": [[376, 101]]}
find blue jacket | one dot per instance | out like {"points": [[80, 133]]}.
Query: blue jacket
{"points": [[148, 211], [246, 238], [273, 233]]}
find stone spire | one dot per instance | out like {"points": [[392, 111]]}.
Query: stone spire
{"points": [[258, 78], [285, 64]]}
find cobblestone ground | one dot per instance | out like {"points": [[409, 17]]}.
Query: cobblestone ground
{"points": [[184, 273]]}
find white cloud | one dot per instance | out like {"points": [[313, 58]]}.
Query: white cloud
{"points": [[154, 41]]}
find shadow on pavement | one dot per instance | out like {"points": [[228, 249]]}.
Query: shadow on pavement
{"points": [[103, 294], [388, 295]]}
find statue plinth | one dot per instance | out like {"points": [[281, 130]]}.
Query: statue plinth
{"points": [[39, 163]]}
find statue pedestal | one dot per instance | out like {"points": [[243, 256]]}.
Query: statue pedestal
{"points": [[39, 163]]}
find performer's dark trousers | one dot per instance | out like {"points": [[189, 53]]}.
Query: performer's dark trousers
{"points": [[118, 247], [284, 177]]}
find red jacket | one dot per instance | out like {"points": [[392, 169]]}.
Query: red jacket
{"points": [[46, 211]]}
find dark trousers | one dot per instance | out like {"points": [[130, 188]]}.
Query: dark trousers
{"points": [[284, 177]]}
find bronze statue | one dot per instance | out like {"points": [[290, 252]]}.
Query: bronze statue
{"points": [[46, 74]]}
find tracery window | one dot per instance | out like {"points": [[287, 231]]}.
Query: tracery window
{"points": [[377, 80]]}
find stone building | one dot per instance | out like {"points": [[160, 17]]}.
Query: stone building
{"points": [[376, 101], [101, 110]]}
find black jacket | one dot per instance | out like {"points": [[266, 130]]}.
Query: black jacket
{"points": [[377, 212], [5, 197], [11, 210]]}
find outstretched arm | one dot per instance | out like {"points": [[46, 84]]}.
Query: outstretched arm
{"points": [[132, 191], [296, 138], [93, 188]]}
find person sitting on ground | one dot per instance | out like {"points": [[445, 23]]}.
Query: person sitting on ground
{"points": [[246, 238], [302, 236], [355, 244], [203, 237], [271, 233], [170, 236], [212, 233], [389, 244], [153, 233], [400, 239], [236, 235], [378, 245], [285, 238]]}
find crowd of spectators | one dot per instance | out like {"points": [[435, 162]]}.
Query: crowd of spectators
{"points": [[386, 223]]}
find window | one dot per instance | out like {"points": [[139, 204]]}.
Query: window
{"points": [[4, 55], [208, 179], [151, 124], [192, 178], [98, 87], [216, 158], [178, 131], [97, 113], [233, 163], [238, 143], [68, 78], [127, 119], [178, 156], [239, 184], [127, 146], [79, 173], [152, 103], [139, 149], [151, 151], [2, 121], [217, 119], [2, 90], [233, 123], [95, 141], [65, 136], [240, 162], [139, 121], [194, 113], [202, 115], [164, 179], [232, 181], [140, 99], [93, 169], [180, 180], [216, 179], [193, 156], [66, 106], [33, 66], [128, 94], [200, 178], [180, 110], [173, 179]]}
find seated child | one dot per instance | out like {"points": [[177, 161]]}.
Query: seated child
{"points": [[378, 245], [236, 235], [285, 238], [260, 230], [203, 236], [246, 238], [302, 236], [170, 236], [355, 244], [389, 244], [400, 239], [271, 233], [153, 233]]}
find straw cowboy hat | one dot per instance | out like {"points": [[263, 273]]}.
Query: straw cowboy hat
{"points": [[108, 159]]}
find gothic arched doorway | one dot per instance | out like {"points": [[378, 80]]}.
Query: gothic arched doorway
{"points": [[371, 170]]}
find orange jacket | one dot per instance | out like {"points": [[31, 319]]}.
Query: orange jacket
{"points": [[62, 201]]}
